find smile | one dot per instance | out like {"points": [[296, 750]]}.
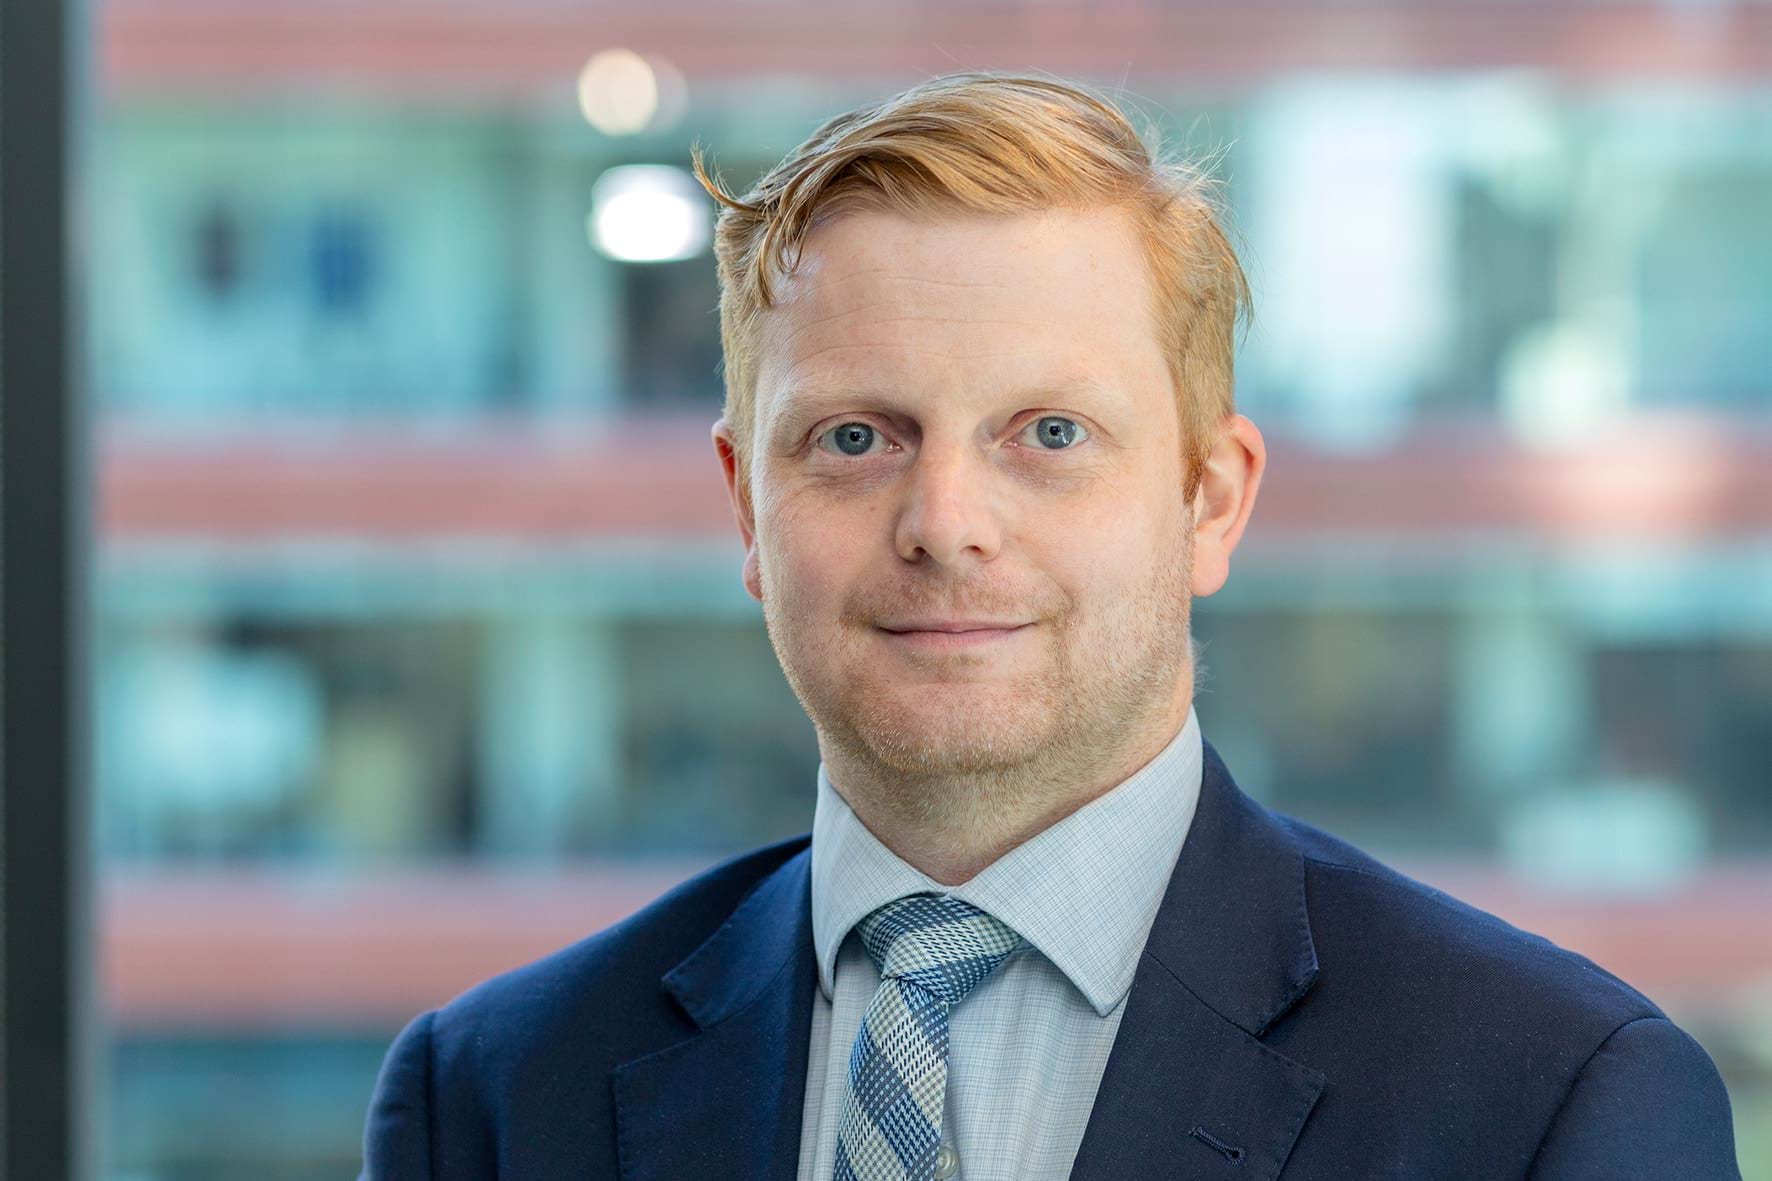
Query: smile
{"points": [[951, 638]]}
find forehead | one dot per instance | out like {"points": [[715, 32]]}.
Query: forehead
{"points": [[886, 297]]}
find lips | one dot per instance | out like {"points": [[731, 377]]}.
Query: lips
{"points": [[952, 626], [951, 635]]}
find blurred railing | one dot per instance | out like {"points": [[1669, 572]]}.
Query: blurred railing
{"points": [[1677, 476], [256, 949], [491, 46]]}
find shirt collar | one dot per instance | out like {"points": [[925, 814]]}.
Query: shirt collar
{"points": [[1083, 891]]}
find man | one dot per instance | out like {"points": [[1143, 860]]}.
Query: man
{"points": [[981, 447]]}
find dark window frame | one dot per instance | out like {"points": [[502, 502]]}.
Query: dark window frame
{"points": [[47, 1051]]}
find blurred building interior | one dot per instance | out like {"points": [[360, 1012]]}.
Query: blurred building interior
{"points": [[420, 647]]}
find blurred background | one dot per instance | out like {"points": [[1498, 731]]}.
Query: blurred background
{"points": [[419, 646]]}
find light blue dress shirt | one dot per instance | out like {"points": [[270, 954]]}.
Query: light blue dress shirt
{"points": [[1028, 1046]]}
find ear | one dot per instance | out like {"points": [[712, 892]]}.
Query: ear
{"points": [[1225, 499], [738, 490]]}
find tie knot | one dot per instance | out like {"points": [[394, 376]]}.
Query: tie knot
{"points": [[939, 943]]}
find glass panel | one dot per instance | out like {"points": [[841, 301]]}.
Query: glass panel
{"points": [[417, 576]]}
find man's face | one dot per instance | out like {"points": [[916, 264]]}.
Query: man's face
{"points": [[967, 525]]}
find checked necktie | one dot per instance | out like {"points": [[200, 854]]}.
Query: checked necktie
{"points": [[931, 951]]}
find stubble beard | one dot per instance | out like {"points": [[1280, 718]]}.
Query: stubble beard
{"points": [[974, 759]]}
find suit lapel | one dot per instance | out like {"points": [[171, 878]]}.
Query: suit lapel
{"points": [[1189, 1090], [728, 1102]]}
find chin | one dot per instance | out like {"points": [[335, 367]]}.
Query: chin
{"points": [[950, 729]]}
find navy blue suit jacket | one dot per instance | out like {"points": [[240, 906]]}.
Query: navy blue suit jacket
{"points": [[1299, 1010]]}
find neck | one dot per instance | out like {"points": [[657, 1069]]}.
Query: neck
{"points": [[950, 826]]}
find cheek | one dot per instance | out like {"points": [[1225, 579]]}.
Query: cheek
{"points": [[1092, 543], [811, 557]]}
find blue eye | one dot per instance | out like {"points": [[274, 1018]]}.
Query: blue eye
{"points": [[852, 438], [1057, 434]]}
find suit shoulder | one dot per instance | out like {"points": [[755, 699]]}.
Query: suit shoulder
{"points": [[1458, 1041], [1364, 909], [605, 987]]}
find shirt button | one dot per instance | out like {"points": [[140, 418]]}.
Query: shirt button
{"points": [[947, 1163]]}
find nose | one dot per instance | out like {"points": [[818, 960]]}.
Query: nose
{"points": [[948, 514]]}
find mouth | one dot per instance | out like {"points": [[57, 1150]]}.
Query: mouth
{"points": [[951, 636]]}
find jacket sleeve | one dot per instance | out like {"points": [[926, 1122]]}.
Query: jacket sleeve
{"points": [[1647, 1106], [397, 1135]]}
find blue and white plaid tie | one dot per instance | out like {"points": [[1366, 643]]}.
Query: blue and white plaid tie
{"points": [[931, 951]]}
